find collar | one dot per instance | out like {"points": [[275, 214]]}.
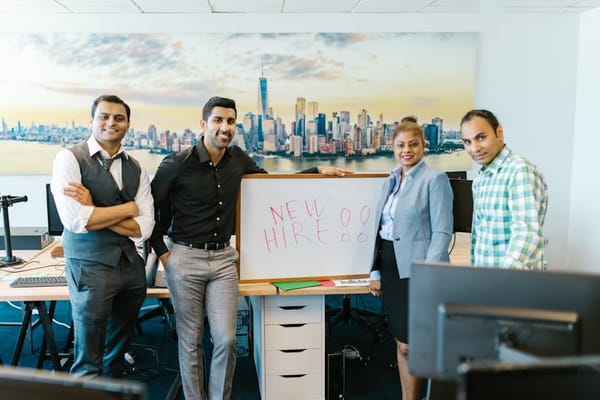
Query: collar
{"points": [[95, 148], [202, 154], [397, 172], [497, 162]]}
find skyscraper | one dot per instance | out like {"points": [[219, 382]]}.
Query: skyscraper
{"points": [[312, 110], [301, 119], [362, 122], [439, 122], [263, 98]]}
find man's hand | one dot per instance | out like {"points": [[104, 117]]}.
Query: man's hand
{"points": [[164, 257], [375, 287], [329, 170], [79, 193]]}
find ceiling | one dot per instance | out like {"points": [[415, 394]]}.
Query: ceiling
{"points": [[292, 6]]}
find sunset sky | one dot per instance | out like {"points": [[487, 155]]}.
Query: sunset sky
{"points": [[53, 78]]}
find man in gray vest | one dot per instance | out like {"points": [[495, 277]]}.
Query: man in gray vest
{"points": [[104, 201]]}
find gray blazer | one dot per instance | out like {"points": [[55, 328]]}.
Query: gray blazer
{"points": [[423, 220]]}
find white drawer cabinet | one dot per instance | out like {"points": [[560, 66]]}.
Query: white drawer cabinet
{"points": [[289, 346]]}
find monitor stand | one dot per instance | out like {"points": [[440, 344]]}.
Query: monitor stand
{"points": [[9, 259]]}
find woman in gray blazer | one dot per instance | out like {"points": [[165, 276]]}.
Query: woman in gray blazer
{"points": [[415, 223]]}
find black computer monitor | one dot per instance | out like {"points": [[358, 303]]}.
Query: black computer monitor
{"points": [[460, 313], [555, 378], [55, 226], [35, 384], [462, 207], [457, 174]]}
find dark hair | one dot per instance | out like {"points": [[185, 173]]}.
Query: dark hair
{"points": [[110, 99], [409, 118], [217, 102], [409, 126], [485, 114]]}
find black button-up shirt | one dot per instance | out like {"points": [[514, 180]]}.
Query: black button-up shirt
{"points": [[195, 199]]}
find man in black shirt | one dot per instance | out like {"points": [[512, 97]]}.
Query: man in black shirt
{"points": [[195, 194]]}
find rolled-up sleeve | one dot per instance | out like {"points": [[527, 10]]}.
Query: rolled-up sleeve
{"points": [[73, 215]]}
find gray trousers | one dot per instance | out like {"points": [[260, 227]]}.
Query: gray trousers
{"points": [[198, 280], [105, 303]]}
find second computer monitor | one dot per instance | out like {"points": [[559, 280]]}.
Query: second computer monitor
{"points": [[462, 207], [462, 313], [55, 226]]}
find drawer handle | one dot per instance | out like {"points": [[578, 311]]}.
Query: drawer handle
{"points": [[292, 307], [293, 350], [293, 376], [291, 325]]}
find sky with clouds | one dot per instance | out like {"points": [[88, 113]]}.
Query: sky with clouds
{"points": [[166, 78]]}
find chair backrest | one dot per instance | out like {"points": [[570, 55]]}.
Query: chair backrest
{"points": [[151, 265]]}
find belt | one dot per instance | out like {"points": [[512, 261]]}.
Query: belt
{"points": [[203, 246]]}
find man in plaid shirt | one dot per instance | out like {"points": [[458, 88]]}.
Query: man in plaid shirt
{"points": [[510, 198]]}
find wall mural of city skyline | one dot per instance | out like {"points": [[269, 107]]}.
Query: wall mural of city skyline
{"points": [[330, 97]]}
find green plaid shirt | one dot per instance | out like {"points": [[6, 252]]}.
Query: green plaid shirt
{"points": [[510, 199]]}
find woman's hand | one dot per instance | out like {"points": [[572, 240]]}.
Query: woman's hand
{"points": [[375, 287], [329, 170]]}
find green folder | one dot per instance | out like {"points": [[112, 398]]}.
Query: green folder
{"points": [[295, 285]]}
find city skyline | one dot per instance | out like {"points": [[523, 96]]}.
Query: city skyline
{"points": [[167, 78]]}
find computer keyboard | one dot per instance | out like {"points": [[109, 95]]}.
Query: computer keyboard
{"points": [[39, 281]]}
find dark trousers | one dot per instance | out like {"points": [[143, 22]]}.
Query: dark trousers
{"points": [[105, 303]]}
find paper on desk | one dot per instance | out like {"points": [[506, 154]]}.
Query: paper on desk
{"points": [[295, 285], [351, 282], [327, 283]]}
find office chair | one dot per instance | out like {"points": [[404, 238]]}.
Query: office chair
{"points": [[164, 309], [348, 314], [353, 315], [375, 322]]}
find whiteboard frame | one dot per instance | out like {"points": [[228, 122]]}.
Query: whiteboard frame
{"points": [[254, 274]]}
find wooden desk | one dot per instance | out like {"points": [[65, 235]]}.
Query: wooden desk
{"points": [[41, 262]]}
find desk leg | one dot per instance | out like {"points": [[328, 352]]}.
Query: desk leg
{"points": [[49, 333], [22, 332], [42, 356]]}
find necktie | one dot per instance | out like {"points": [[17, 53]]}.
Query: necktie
{"points": [[106, 163]]}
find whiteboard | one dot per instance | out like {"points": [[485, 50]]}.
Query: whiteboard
{"points": [[306, 226]]}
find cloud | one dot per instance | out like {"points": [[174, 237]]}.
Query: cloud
{"points": [[117, 55], [278, 66], [183, 93], [341, 39]]}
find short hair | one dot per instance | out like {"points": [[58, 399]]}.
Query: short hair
{"points": [[409, 126], [481, 113], [110, 98], [217, 101], [409, 118]]}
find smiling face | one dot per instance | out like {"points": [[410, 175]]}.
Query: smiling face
{"points": [[481, 141], [409, 148], [219, 128], [110, 125]]}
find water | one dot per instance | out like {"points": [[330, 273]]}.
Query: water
{"points": [[20, 157]]}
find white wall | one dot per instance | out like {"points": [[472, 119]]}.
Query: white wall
{"points": [[526, 74], [584, 227]]}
